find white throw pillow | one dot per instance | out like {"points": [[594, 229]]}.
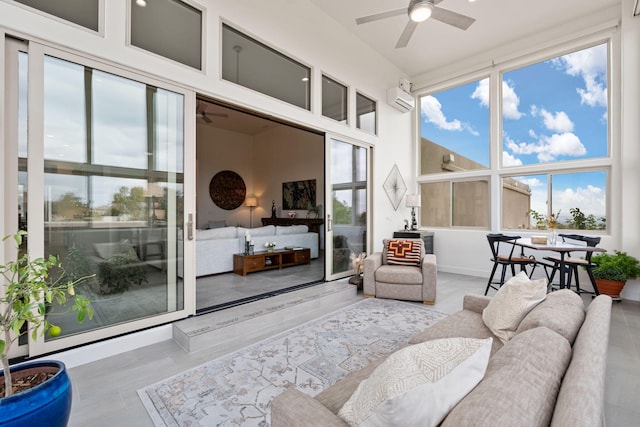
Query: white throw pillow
{"points": [[419, 384], [517, 297]]}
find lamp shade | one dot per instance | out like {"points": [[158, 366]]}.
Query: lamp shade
{"points": [[251, 202], [420, 10], [413, 201]]}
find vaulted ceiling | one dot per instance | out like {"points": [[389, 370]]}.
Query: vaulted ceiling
{"points": [[435, 44]]}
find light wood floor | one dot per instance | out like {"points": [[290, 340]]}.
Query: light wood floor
{"points": [[105, 391]]}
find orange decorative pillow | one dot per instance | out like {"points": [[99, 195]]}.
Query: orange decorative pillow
{"points": [[404, 252]]}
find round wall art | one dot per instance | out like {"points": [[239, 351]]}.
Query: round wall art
{"points": [[227, 190]]}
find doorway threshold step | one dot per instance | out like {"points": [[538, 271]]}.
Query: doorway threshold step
{"points": [[247, 323]]}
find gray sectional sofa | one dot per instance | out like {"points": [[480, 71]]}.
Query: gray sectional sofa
{"points": [[550, 373]]}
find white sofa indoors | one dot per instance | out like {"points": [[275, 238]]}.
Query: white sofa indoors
{"points": [[215, 247]]}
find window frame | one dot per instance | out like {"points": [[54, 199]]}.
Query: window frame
{"points": [[496, 171]]}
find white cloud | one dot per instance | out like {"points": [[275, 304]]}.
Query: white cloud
{"points": [[590, 200], [563, 144], [548, 148], [481, 92], [509, 160], [432, 113], [560, 122], [510, 100], [591, 65]]}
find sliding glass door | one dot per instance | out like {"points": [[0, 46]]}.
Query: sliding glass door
{"points": [[347, 205], [104, 160]]}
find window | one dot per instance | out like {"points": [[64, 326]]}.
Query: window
{"points": [[256, 66], [556, 110], [169, 28], [454, 129], [577, 200], [81, 12], [455, 204], [555, 126], [366, 114], [334, 100]]}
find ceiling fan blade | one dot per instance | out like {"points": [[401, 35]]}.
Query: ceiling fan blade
{"points": [[406, 34], [224, 115], [206, 119], [381, 15], [452, 18]]}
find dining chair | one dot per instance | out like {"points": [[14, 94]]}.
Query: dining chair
{"points": [[499, 257], [572, 263]]}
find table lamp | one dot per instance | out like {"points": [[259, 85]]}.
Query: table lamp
{"points": [[413, 202]]}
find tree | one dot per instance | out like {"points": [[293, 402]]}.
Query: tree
{"points": [[129, 202]]}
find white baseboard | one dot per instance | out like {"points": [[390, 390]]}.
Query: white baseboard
{"points": [[111, 347]]}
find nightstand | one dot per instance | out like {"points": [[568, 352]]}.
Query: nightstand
{"points": [[426, 236]]}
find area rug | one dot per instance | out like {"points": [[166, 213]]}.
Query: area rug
{"points": [[236, 389]]}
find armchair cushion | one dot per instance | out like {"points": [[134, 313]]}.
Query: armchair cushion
{"points": [[404, 252]]}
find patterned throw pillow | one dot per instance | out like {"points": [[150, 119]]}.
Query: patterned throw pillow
{"points": [[404, 252], [418, 385]]}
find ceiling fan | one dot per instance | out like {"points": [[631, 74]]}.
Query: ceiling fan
{"points": [[418, 11], [202, 114]]}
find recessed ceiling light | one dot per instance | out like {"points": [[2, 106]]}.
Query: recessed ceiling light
{"points": [[141, 3], [305, 79]]}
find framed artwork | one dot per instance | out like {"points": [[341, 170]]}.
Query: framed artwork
{"points": [[227, 190], [299, 194], [395, 187]]}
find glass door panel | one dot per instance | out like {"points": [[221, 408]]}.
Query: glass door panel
{"points": [[347, 212], [112, 187], [103, 153]]}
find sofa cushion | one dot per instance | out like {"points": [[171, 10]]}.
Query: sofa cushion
{"points": [[217, 224], [561, 311], [291, 229], [217, 233], [521, 383], [404, 252], [419, 384], [399, 274], [511, 303], [464, 323], [267, 230]]}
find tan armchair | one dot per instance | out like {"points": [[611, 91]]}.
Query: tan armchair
{"points": [[403, 282]]}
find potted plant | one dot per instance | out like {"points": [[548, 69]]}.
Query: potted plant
{"points": [[34, 391], [612, 271]]}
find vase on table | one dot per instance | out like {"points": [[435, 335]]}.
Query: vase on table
{"points": [[553, 236]]}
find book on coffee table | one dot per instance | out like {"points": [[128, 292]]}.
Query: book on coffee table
{"points": [[293, 248]]}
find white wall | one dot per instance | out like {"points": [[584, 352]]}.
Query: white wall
{"points": [[286, 154], [218, 150]]}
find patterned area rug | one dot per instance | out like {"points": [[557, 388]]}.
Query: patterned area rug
{"points": [[236, 390]]}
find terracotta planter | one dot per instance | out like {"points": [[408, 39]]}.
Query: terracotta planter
{"points": [[610, 287]]}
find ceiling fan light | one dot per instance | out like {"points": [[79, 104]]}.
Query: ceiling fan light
{"points": [[420, 11]]}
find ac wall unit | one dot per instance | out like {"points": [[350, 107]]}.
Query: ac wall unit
{"points": [[401, 100]]}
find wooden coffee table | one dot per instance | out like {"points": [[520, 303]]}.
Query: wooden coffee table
{"points": [[277, 259]]}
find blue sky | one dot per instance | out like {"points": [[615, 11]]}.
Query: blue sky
{"points": [[553, 111]]}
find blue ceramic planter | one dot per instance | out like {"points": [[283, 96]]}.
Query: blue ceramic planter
{"points": [[48, 404]]}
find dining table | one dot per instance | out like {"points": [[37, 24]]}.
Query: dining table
{"points": [[560, 246]]}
